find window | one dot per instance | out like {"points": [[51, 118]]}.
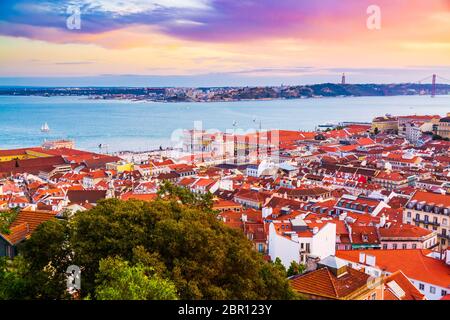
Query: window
{"points": [[394, 246], [260, 247], [417, 216], [414, 246], [404, 246], [443, 292], [444, 222], [385, 246], [421, 286], [374, 296], [432, 290], [408, 214], [426, 218]]}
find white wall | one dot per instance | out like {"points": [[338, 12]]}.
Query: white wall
{"points": [[374, 271], [282, 247], [427, 289], [323, 244], [226, 184]]}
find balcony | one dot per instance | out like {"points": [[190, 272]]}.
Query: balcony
{"points": [[447, 236], [427, 222]]}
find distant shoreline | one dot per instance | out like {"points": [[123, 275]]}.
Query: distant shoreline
{"points": [[88, 98], [231, 94]]}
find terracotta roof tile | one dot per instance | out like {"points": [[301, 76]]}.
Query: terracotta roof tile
{"points": [[323, 283], [414, 263]]}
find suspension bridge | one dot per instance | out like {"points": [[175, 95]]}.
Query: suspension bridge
{"points": [[434, 78], [431, 79]]}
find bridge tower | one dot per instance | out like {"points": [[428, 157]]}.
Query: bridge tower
{"points": [[433, 86], [343, 79]]}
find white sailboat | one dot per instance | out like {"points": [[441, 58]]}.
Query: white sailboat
{"points": [[45, 128]]}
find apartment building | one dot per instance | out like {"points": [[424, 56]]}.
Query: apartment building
{"points": [[430, 211]]}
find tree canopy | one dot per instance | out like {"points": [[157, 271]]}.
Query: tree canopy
{"points": [[118, 280], [295, 269], [159, 250], [6, 218]]}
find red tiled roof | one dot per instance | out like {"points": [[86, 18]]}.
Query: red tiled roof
{"points": [[404, 231], [204, 182], [13, 152], [429, 197], [221, 204], [411, 292], [391, 176], [251, 195], [139, 196], [323, 283], [32, 165], [25, 223], [413, 262], [82, 196]]}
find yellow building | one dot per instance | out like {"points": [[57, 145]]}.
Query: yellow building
{"points": [[120, 166], [22, 154], [385, 124], [444, 127]]}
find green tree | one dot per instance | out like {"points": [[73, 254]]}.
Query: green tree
{"points": [[6, 218], [295, 269], [169, 191], [11, 285], [164, 242], [118, 280], [49, 245], [201, 256], [279, 265], [44, 259], [18, 283], [376, 131]]}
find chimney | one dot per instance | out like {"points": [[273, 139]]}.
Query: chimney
{"points": [[311, 263], [370, 260], [342, 216], [336, 266], [244, 217], [362, 258], [382, 221], [266, 211], [294, 237], [298, 224]]}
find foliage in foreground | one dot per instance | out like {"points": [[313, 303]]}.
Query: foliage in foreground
{"points": [[6, 218], [140, 250]]}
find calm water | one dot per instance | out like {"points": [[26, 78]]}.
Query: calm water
{"points": [[126, 125]]}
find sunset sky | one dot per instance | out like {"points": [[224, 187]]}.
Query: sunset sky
{"points": [[222, 42]]}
